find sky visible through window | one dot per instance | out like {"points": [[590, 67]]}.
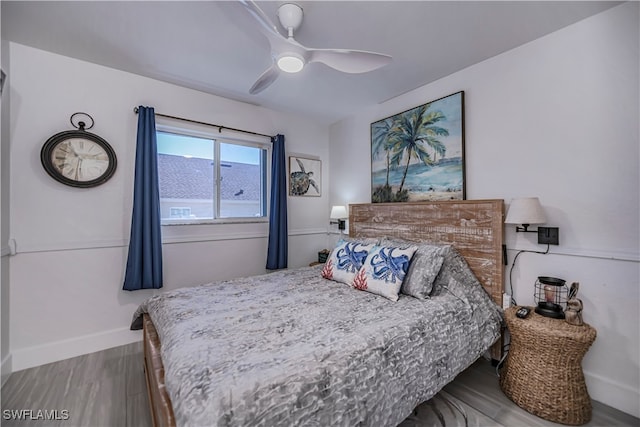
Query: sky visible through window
{"points": [[184, 145]]}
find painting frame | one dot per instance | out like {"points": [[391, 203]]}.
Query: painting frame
{"points": [[305, 176], [419, 154]]}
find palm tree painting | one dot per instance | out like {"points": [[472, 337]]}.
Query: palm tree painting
{"points": [[418, 155]]}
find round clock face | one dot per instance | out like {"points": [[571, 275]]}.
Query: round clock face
{"points": [[78, 158]]}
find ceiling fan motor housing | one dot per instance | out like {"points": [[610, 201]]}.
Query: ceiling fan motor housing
{"points": [[290, 16]]}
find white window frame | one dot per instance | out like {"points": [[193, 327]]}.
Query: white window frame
{"points": [[208, 132]]}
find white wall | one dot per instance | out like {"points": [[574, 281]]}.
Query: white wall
{"points": [[5, 354], [558, 119], [66, 278]]}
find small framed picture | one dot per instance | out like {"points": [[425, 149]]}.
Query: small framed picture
{"points": [[305, 177]]}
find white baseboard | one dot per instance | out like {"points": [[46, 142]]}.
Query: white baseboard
{"points": [[6, 369], [614, 394], [52, 352]]}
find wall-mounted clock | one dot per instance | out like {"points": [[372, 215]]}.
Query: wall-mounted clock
{"points": [[78, 158]]}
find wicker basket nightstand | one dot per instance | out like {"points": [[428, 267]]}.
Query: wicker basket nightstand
{"points": [[543, 372]]}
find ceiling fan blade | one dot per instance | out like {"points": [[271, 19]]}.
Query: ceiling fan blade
{"points": [[265, 80], [349, 61], [267, 27]]}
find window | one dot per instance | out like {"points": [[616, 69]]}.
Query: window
{"points": [[204, 179]]}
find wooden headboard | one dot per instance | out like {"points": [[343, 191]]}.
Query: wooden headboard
{"points": [[473, 227]]}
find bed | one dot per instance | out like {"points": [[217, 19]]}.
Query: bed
{"points": [[294, 348]]}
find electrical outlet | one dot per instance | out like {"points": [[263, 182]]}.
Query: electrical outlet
{"points": [[548, 236], [506, 301]]}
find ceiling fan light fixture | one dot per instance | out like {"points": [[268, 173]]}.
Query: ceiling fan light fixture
{"points": [[290, 63], [289, 56]]}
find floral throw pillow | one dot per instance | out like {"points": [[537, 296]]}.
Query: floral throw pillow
{"points": [[345, 261], [384, 270]]}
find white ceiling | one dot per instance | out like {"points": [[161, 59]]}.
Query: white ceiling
{"points": [[215, 46]]}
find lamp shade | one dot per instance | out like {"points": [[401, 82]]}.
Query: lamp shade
{"points": [[338, 212], [526, 210]]}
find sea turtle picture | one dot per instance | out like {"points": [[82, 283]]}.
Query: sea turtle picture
{"points": [[301, 180]]}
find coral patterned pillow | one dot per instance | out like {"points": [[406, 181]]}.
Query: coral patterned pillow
{"points": [[345, 261], [384, 270]]}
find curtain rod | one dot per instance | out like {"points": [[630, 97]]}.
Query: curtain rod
{"points": [[220, 127]]}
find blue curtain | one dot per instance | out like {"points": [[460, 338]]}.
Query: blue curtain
{"points": [[277, 252], [144, 264]]}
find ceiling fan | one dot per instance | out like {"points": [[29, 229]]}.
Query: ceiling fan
{"points": [[290, 56]]}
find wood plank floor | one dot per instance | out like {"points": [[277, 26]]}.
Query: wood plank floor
{"points": [[107, 388]]}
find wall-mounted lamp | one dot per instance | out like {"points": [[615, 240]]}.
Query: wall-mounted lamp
{"points": [[527, 211], [338, 213]]}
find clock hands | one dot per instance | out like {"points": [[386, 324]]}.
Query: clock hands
{"points": [[87, 156], [79, 172]]}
